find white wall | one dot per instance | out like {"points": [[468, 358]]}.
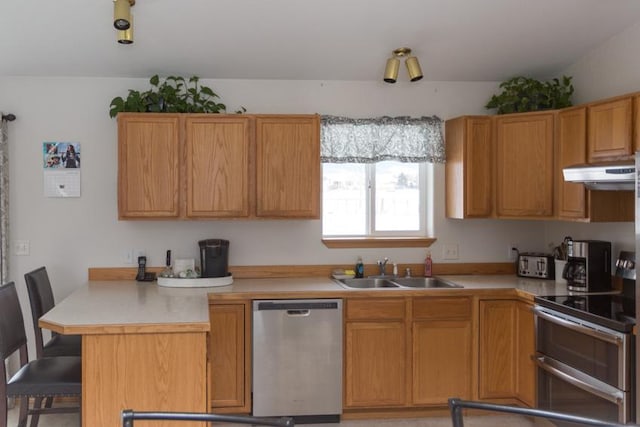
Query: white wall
{"points": [[611, 69], [70, 235]]}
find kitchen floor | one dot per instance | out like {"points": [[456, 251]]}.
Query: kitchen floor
{"points": [[72, 420]]}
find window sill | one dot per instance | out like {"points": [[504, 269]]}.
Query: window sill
{"points": [[379, 242]]}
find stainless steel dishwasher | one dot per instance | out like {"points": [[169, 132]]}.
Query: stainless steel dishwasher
{"points": [[297, 359]]}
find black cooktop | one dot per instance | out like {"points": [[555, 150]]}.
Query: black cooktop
{"points": [[617, 312]]}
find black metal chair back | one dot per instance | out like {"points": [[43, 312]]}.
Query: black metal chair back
{"points": [[457, 405], [41, 301], [45, 377], [128, 417]]}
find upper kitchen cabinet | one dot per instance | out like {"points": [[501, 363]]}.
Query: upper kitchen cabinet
{"points": [[199, 166], [288, 166], [610, 129], [573, 200], [218, 151], [149, 152], [468, 170], [524, 164], [571, 149]]}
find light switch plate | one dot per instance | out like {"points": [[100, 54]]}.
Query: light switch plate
{"points": [[21, 247]]}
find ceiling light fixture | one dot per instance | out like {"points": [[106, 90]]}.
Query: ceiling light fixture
{"points": [[122, 14], [393, 65]]}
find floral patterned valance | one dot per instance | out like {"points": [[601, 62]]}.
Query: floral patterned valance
{"points": [[405, 139]]}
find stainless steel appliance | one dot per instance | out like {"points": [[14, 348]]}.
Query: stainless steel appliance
{"points": [[214, 257], [588, 266], [605, 176], [585, 351], [538, 265], [297, 359], [584, 366]]}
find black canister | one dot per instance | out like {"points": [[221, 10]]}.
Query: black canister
{"points": [[214, 257]]}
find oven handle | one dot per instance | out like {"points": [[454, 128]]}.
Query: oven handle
{"points": [[610, 338], [583, 385]]}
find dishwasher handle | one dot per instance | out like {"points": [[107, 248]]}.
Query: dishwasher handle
{"points": [[298, 313]]}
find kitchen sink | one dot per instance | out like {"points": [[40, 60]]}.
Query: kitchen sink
{"points": [[396, 282], [367, 283], [423, 282]]}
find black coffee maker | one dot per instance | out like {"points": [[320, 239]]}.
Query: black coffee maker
{"points": [[588, 267], [214, 257]]}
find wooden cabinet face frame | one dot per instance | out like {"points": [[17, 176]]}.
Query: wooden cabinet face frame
{"points": [[199, 166]]}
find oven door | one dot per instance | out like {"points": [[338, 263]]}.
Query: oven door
{"points": [[594, 350], [564, 389]]}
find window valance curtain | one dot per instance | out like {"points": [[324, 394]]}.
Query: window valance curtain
{"points": [[404, 139]]}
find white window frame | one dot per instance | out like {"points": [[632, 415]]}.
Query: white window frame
{"points": [[425, 176]]}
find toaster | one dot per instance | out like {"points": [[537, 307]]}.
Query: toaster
{"points": [[538, 265]]}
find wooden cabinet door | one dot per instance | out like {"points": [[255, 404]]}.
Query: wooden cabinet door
{"points": [[571, 149], [218, 152], [469, 166], [507, 347], [229, 350], [149, 151], [526, 349], [288, 166], [497, 373], [524, 161], [375, 364], [610, 130], [442, 361]]}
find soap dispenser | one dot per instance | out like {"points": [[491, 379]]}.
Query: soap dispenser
{"points": [[359, 268], [428, 264]]}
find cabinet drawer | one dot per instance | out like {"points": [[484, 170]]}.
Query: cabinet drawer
{"points": [[442, 308], [377, 308]]}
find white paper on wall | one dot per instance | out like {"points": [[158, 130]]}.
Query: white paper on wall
{"points": [[61, 169]]}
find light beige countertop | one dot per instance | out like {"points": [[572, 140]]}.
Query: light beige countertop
{"points": [[125, 306], [535, 287], [115, 307]]}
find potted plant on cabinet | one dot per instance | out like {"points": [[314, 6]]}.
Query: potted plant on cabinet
{"points": [[171, 95], [522, 94]]}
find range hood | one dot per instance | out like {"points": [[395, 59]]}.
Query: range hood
{"points": [[605, 176]]}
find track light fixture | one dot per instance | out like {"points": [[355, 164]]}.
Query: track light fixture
{"points": [[126, 36], [122, 14], [393, 65]]}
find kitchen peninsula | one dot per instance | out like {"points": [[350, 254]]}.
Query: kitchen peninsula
{"points": [[145, 346]]}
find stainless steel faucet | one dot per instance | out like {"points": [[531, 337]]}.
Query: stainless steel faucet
{"points": [[383, 266]]}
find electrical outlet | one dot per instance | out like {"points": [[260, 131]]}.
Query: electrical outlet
{"points": [[512, 251], [450, 251], [127, 256]]}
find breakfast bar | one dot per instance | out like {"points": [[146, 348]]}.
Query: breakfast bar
{"points": [[144, 347]]}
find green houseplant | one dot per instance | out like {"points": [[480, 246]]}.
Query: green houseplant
{"points": [[170, 95], [521, 94]]}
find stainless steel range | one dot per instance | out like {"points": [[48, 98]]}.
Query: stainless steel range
{"points": [[585, 352]]}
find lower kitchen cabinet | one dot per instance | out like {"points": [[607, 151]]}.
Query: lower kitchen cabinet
{"points": [[375, 353], [506, 350], [442, 350], [229, 357], [397, 359]]}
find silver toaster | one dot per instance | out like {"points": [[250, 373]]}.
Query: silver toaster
{"points": [[538, 265]]}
